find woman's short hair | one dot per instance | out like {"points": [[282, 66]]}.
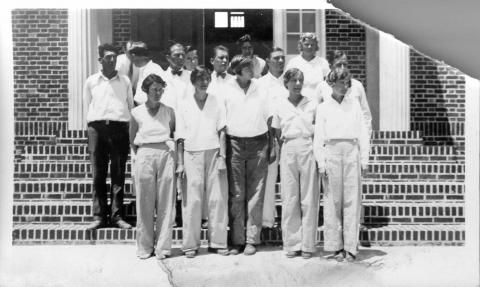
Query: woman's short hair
{"points": [[334, 77], [239, 62], [200, 72], [307, 36], [332, 56], [291, 73], [150, 79]]}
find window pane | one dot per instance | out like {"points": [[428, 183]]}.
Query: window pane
{"points": [[237, 21], [221, 19], [308, 22], [292, 42], [293, 10], [293, 22]]}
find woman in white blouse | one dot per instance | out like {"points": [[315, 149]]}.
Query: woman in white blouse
{"points": [[151, 138], [201, 122], [293, 120], [341, 146]]}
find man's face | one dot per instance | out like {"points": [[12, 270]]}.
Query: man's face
{"points": [[108, 61], [309, 47], [220, 62], [276, 62], [295, 84], [191, 60], [341, 86], [176, 57], [339, 65], [247, 49]]}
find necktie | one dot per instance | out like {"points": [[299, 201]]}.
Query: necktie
{"points": [[223, 75], [178, 73]]}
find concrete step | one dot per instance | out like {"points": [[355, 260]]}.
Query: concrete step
{"points": [[372, 190], [391, 235], [376, 212]]}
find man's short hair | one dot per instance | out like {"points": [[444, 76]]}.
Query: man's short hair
{"points": [[139, 49], [175, 44], [333, 77], [290, 73], [106, 47], [150, 79], [243, 39], [218, 47], [274, 49], [239, 62], [199, 72], [307, 36], [334, 55]]}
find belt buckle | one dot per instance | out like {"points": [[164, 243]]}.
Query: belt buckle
{"points": [[107, 122]]}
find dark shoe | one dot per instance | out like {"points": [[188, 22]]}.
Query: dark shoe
{"points": [[235, 250], [291, 254], [191, 253], [339, 255], [249, 249], [306, 255], [96, 224], [349, 257], [204, 224], [219, 251], [122, 224]]}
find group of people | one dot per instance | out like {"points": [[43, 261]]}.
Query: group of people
{"points": [[215, 140]]}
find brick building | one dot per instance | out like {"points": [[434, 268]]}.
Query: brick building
{"points": [[414, 193]]}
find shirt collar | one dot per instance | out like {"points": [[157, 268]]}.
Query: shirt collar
{"points": [[102, 77], [169, 70]]}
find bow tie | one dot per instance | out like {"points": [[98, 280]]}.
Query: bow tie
{"points": [[178, 73], [223, 75]]}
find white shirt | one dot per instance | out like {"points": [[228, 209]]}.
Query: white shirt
{"points": [[108, 99], [340, 121], [274, 87], [176, 87], [143, 72], [153, 129], [247, 114], [199, 127], [123, 67], [258, 66], [217, 85], [295, 121], [314, 72]]}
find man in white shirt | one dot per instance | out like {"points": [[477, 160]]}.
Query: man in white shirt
{"points": [[126, 67], [245, 45], [248, 145], [191, 59], [220, 76], [108, 98], [272, 83], [314, 68], [139, 53]]}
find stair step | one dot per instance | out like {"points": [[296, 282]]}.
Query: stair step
{"points": [[392, 235], [372, 190], [376, 212]]}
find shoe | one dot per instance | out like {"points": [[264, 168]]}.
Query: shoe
{"points": [[235, 250], [191, 253], [339, 255], [96, 224], [161, 256], [219, 251], [306, 255], [145, 256], [249, 249], [120, 223], [204, 224], [291, 254], [349, 257]]}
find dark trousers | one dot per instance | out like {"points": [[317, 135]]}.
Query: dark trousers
{"points": [[108, 142], [247, 167]]}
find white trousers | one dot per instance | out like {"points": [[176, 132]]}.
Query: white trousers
{"points": [[269, 211], [342, 198], [155, 191], [205, 183], [300, 195]]}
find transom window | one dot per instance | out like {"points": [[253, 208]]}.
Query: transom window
{"points": [[229, 19], [298, 21]]}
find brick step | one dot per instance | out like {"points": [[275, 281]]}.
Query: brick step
{"points": [[390, 235], [372, 190], [376, 212], [377, 170]]}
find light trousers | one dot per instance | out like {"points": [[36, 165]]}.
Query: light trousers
{"points": [[155, 190], [342, 198], [269, 211], [300, 195], [205, 183]]}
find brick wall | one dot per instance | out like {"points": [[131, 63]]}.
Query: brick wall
{"points": [[346, 34], [437, 99], [121, 26], [40, 51]]}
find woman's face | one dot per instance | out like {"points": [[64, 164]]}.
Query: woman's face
{"points": [[246, 73], [340, 65], [309, 47], [201, 84], [295, 84], [341, 86], [155, 92]]}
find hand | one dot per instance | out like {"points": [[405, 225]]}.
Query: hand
{"points": [[323, 173], [180, 171], [221, 163], [272, 155]]}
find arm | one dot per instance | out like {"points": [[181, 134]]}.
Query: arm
{"points": [[130, 103], [319, 140], [87, 98], [366, 114], [133, 129], [364, 140]]}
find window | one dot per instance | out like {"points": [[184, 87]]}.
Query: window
{"points": [[230, 19], [298, 21]]}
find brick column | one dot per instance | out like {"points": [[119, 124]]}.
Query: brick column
{"points": [[394, 84]]}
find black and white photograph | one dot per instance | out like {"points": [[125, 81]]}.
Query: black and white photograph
{"points": [[226, 145]]}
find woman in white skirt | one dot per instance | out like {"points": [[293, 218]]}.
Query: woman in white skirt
{"points": [[294, 119], [201, 122], [153, 148], [341, 146]]}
